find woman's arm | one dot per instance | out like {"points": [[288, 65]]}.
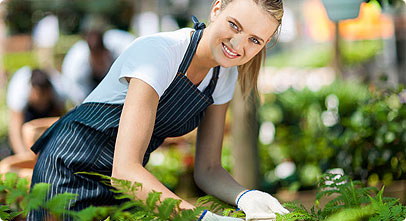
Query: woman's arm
{"points": [[134, 134], [16, 121], [209, 174]]}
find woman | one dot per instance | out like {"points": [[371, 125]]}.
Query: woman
{"points": [[31, 95], [164, 85]]}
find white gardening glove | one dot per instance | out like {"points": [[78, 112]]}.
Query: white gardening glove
{"points": [[258, 205], [209, 216]]}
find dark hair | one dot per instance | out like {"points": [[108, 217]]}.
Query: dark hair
{"points": [[40, 79], [94, 39]]}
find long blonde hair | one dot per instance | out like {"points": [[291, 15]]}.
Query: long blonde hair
{"points": [[248, 72]]}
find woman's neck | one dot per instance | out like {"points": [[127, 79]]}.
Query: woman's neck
{"points": [[203, 59]]}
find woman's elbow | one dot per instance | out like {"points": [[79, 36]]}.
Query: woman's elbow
{"points": [[202, 173]]}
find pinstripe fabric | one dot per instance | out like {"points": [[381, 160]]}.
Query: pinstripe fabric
{"points": [[83, 139]]}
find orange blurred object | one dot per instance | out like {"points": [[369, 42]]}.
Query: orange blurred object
{"points": [[370, 24], [318, 26]]}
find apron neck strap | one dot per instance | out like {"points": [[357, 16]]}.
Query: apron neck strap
{"points": [[191, 50]]}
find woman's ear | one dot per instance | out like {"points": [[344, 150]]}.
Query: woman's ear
{"points": [[215, 11]]}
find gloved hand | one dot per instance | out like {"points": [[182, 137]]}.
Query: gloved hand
{"points": [[209, 216], [258, 205]]}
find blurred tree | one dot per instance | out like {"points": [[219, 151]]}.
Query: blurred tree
{"points": [[21, 15], [18, 16]]}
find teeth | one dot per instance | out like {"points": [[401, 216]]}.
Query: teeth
{"points": [[228, 51]]}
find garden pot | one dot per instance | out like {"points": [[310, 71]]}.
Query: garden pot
{"points": [[338, 10], [33, 129], [21, 164]]}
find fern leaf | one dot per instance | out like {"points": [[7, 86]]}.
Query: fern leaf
{"points": [[293, 216], [295, 206], [153, 198], [186, 215], [5, 212], [37, 196], [10, 180], [397, 211], [212, 203], [140, 215], [93, 213], [59, 204], [326, 192], [352, 214], [227, 211], [167, 207]]}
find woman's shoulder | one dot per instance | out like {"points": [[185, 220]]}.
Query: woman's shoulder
{"points": [[166, 40]]}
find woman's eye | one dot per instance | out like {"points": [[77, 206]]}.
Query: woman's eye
{"points": [[233, 25], [255, 41]]}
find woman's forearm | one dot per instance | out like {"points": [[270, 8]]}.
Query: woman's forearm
{"points": [[15, 132], [219, 183], [149, 183]]}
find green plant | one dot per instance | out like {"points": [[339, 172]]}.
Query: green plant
{"points": [[353, 53], [13, 61], [16, 200], [344, 125], [352, 201]]}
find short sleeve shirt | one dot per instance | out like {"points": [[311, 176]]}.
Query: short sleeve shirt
{"points": [[155, 59]]}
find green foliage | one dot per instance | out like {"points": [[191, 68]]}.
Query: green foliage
{"points": [[215, 205], [352, 52], [368, 132], [352, 201], [18, 201], [168, 168], [22, 15], [13, 61], [392, 3]]}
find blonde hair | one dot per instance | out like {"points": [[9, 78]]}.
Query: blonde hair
{"points": [[249, 71]]}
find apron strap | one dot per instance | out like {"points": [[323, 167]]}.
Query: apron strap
{"points": [[212, 85], [190, 52]]}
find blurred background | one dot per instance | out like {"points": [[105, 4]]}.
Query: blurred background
{"points": [[332, 91]]}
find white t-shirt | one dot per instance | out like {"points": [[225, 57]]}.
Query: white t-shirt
{"points": [[155, 59], [19, 88]]}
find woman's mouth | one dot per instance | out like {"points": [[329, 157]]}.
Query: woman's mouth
{"points": [[228, 52]]}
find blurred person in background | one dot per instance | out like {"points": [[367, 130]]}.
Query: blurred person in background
{"points": [[31, 95], [89, 60], [163, 85]]}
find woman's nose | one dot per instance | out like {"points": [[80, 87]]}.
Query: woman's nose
{"points": [[237, 42]]}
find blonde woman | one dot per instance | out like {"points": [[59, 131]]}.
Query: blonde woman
{"points": [[164, 85]]}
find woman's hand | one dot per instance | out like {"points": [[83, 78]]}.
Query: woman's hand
{"points": [[209, 216], [258, 205]]}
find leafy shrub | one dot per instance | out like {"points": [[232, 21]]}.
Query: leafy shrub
{"points": [[352, 52], [16, 200], [345, 125], [351, 201]]}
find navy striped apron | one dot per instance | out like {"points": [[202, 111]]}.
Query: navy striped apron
{"points": [[84, 138]]}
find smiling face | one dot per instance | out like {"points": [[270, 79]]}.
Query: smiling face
{"points": [[239, 31]]}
